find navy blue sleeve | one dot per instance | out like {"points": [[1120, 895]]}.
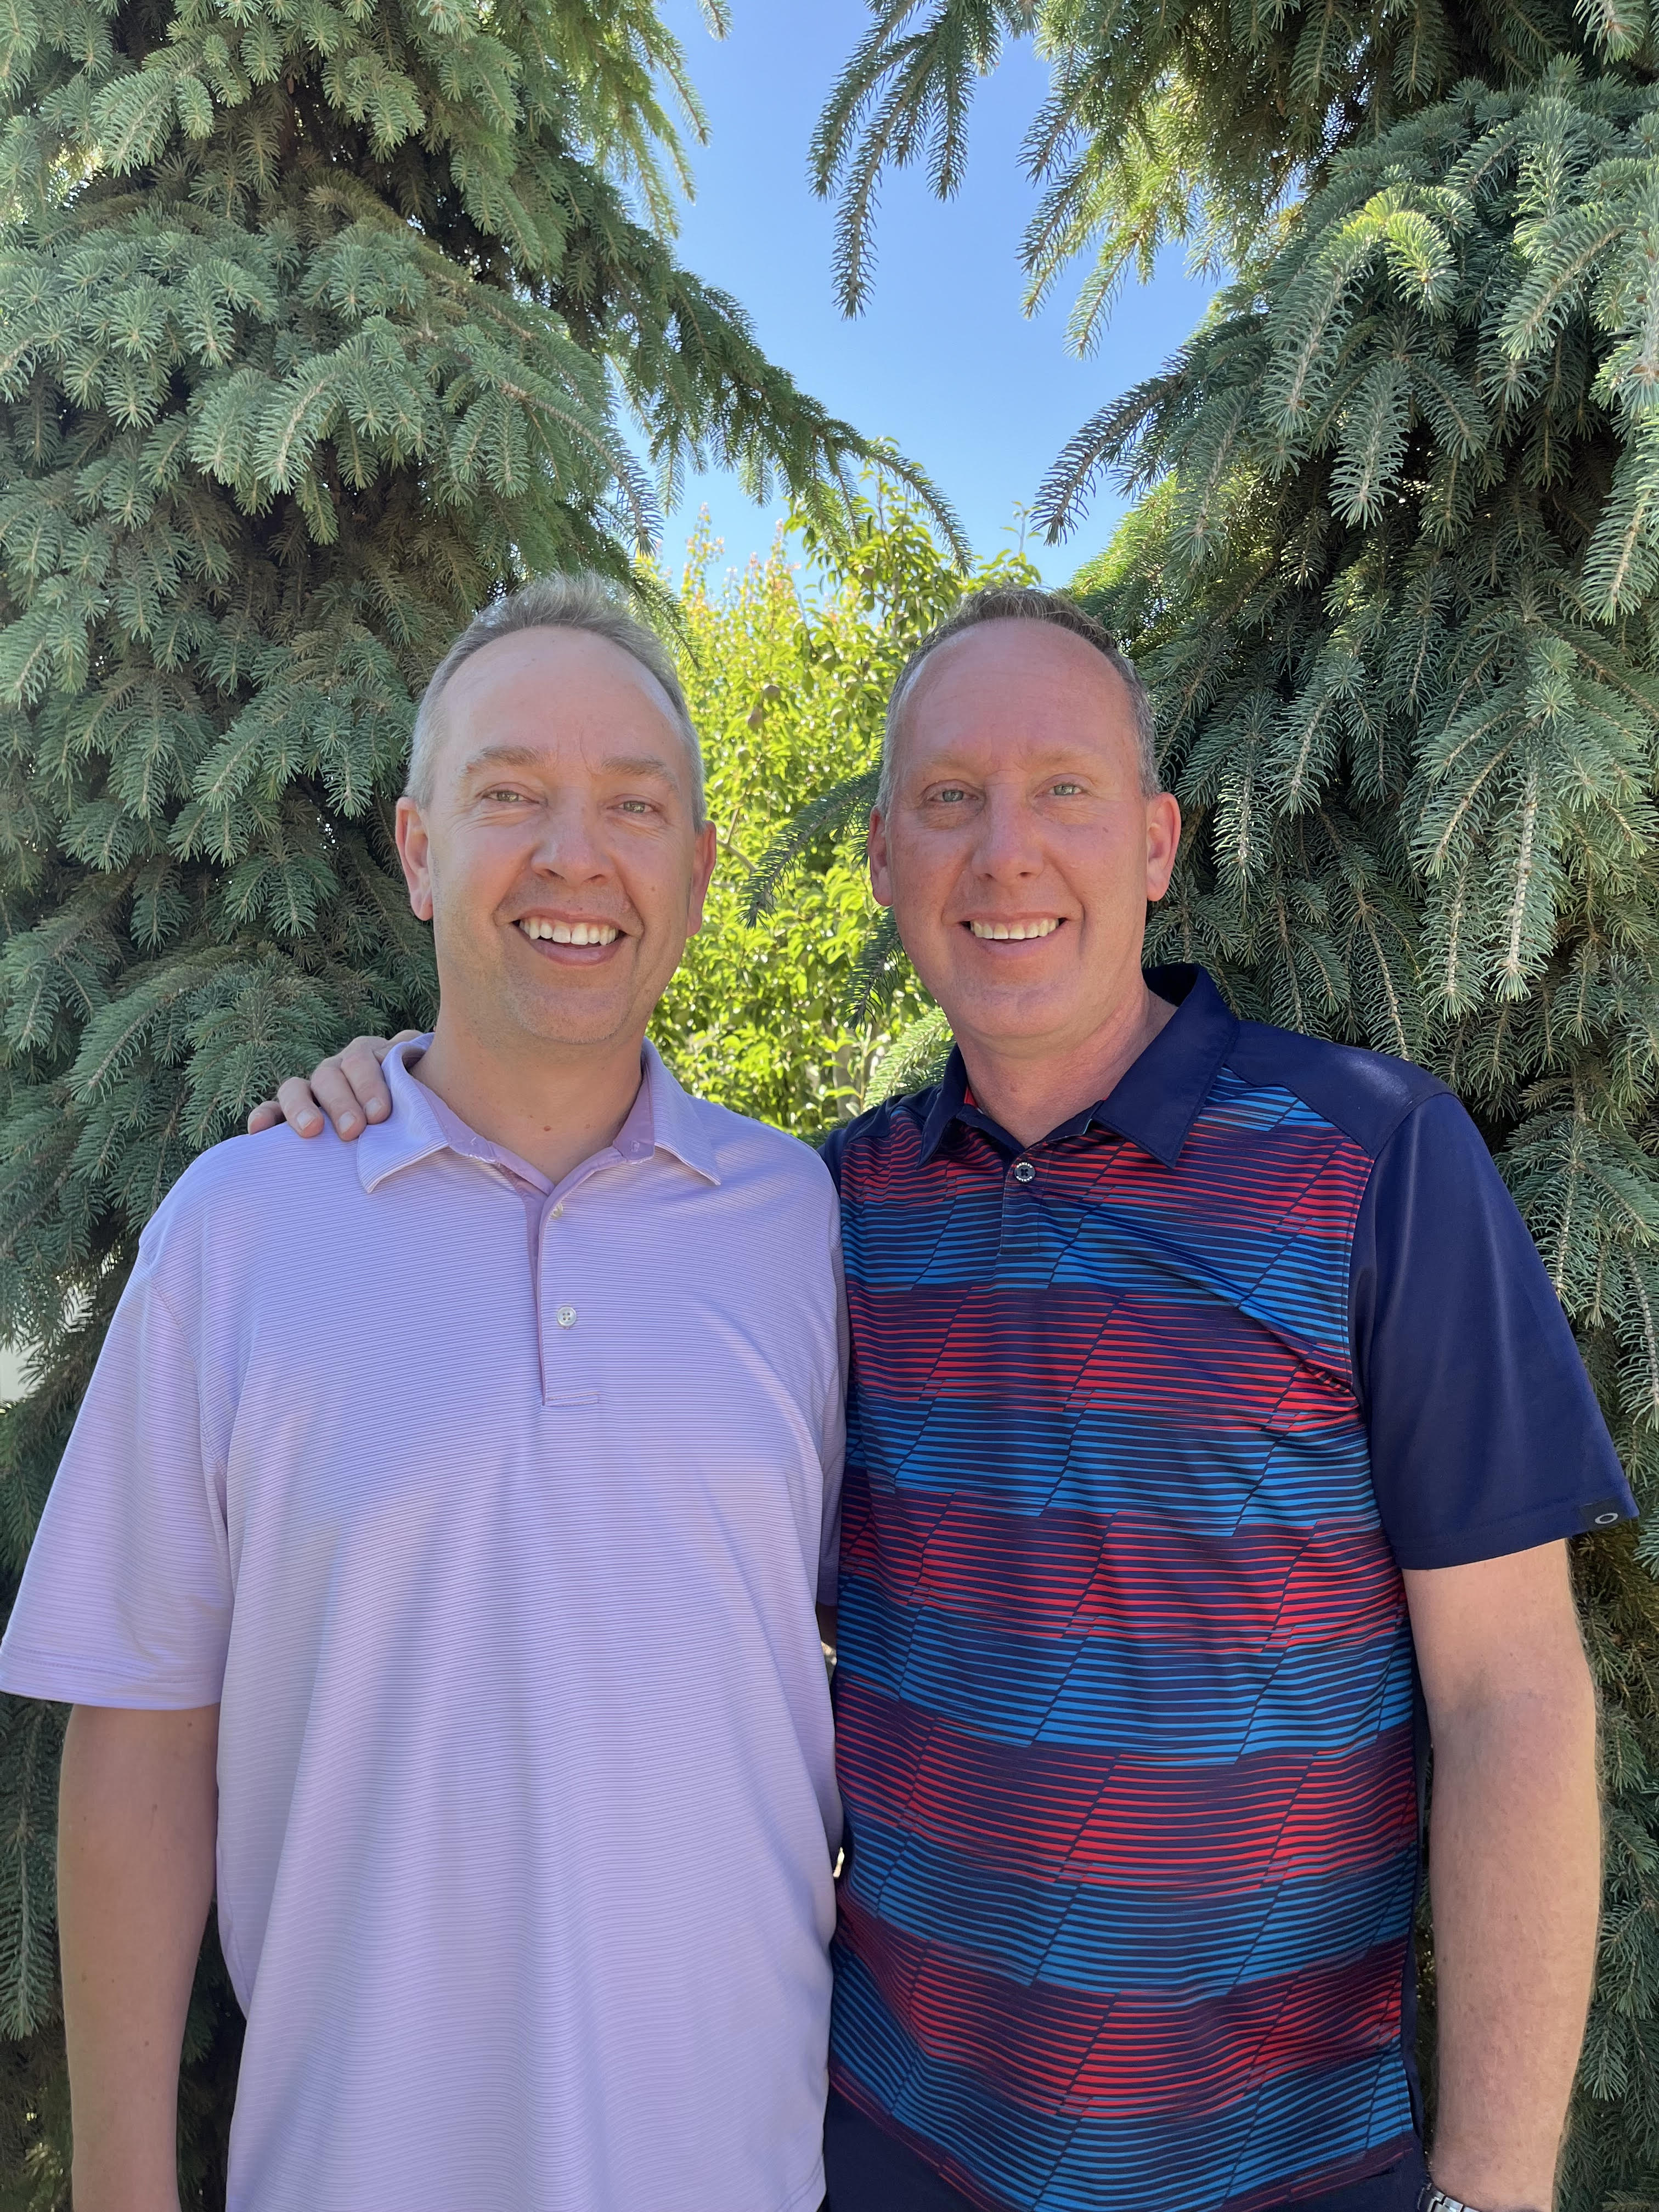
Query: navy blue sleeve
{"points": [[831, 1149], [1485, 1435]]}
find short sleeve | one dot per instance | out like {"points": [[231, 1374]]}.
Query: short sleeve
{"points": [[126, 1593], [1485, 1436]]}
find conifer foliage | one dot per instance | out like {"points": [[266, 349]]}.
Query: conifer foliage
{"points": [[1393, 579], [318, 323]]}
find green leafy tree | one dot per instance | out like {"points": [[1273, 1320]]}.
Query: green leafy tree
{"points": [[788, 1004], [1391, 579], [320, 321]]}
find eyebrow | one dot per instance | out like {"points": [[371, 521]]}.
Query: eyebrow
{"points": [[1051, 760], [503, 756], [639, 764], [527, 756]]}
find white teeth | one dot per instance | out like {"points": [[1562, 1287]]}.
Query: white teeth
{"points": [[1015, 931], [570, 932]]}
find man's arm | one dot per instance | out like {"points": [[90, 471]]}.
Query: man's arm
{"points": [[137, 1818], [348, 1086], [1515, 1861]]}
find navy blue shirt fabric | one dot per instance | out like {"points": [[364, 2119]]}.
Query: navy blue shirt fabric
{"points": [[1484, 1430], [1482, 1424], [865, 2169], [1145, 1422]]}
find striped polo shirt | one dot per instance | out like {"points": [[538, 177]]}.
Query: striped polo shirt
{"points": [[1144, 1421]]}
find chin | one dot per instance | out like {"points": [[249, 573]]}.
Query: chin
{"points": [[1017, 1016], [572, 1021]]}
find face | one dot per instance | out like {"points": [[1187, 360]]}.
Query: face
{"points": [[556, 856], [1018, 852]]}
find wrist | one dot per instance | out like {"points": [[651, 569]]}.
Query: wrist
{"points": [[99, 2184], [1439, 2195]]}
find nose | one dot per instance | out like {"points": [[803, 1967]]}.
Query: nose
{"points": [[567, 845], [1007, 848]]}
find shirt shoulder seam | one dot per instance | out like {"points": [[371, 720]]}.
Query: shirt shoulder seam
{"points": [[1287, 1081], [1412, 1106], [165, 1304]]}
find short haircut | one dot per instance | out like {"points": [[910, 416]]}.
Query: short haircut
{"points": [[584, 602], [1023, 603]]}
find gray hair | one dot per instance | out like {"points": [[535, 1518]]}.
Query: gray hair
{"points": [[584, 602], [1023, 603]]}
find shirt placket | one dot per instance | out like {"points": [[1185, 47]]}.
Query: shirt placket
{"points": [[553, 1308], [563, 1332], [1018, 1235]]}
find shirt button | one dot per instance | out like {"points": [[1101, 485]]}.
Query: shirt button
{"points": [[558, 1209], [567, 1316], [1024, 1172]]}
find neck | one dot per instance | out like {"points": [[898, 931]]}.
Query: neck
{"points": [[555, 1106], [1033, 1090]]}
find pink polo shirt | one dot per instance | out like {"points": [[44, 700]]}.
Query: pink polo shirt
{"points": [[492, 1516]]}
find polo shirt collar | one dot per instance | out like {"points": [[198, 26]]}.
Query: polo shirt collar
{"points": [[410, 1132], [676, 1122], [413, 1130], [1156, 1098]]}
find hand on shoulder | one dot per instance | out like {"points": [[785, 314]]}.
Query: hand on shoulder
{"points": [[347, 1087]]}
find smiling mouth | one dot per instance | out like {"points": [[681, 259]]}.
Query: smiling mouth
{"points": [[1016, 932], [569, 933]]}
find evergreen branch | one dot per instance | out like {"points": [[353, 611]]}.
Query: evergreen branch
{"points": [[1512, 975], [1622, 559], [1566, 253], [901, 91], [879, 962], [827, 815]]}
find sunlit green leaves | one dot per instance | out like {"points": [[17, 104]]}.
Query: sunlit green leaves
{"points": [[789, 1003]]}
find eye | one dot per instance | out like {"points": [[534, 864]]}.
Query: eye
{"points": [[952, 795], [1065, 789], [502, 797], [637, 807]]}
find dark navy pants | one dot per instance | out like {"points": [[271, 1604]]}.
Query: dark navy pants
{"points": [[867, 2170]]}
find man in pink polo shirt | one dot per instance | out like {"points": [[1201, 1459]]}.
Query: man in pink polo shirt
{"points": [[435, 1557]]}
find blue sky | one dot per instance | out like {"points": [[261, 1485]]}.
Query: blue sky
{"points": [[943, 360]]}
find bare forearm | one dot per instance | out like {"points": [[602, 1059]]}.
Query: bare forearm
{"points": [[1514, 1860], [138, 1817]]}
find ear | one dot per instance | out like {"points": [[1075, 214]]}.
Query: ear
{"points": [[414, 850], [1162, 842], [881, 874], [707, 852]]}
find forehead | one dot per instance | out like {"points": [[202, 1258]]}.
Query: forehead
{"points": [[1017, 687], [552, 687]]}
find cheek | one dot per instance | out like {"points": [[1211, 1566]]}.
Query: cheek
{"points": [[1108, 868], [922, 872], [475, 871], [658, 879]]}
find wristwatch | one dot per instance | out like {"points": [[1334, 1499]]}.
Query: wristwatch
{"points": [[1435, 2199]]}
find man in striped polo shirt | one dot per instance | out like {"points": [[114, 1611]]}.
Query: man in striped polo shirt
{"points": [[1214, 1432]]}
